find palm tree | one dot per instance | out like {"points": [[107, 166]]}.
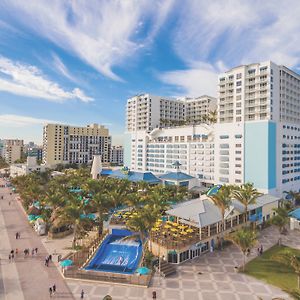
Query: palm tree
{"points": [[212, 116], [289, 259], [102, 204], [222, 199], [246, 194], [294, 196], [281, 219], [72, 214], [244, 239]]}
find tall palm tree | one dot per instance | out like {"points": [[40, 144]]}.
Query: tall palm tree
{"points": [[72, 214], [222, 199], [212, 116], [281, 219], [244, 239], [246, 194], [294, 196]]}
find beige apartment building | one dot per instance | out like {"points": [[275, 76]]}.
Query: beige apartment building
{"points": [[12, 150], [64, 144]]}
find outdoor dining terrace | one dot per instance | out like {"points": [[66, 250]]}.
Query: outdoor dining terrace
{"points": [[174, 235]]}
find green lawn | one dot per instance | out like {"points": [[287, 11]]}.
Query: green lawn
{"points": [[270, 271]]}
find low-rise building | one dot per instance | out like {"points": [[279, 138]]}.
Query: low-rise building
{"points": [[194, 227], [27, 168]]}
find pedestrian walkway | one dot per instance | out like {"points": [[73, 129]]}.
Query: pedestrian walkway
{"points": [[32, 276]]}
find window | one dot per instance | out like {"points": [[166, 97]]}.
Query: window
{"points": [[238, 83], [239, 76]]}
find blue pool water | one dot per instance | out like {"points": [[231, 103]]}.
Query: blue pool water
{"points": [[117, 255]]}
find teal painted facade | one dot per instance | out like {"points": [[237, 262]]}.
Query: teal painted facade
{"points": [[260, 154]]}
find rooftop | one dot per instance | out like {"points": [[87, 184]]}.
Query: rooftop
{"points": [[203, 212]]}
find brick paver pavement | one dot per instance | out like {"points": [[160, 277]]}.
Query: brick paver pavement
{"points": [[34, 278]]}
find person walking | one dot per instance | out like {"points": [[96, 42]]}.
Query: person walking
{"points": [[54, 288], [17, 235], [17, 251], [81, 294], [9, 258], [36, 250], [50, 291]]}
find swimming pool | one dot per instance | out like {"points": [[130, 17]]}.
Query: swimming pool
{"points": [[116, 255]]}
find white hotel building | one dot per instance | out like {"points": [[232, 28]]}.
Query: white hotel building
{"points": [[256, 138]]}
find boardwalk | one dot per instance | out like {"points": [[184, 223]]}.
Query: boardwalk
{"points": [[26, 278]]}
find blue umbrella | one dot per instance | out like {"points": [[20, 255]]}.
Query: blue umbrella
{"points": [[143, 270], [66, 263]]}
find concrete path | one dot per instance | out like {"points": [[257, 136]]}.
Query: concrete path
{"points": [[26, 278]]}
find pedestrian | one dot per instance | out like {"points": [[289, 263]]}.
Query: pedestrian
{"points": [[9, 203], [81, 294], [54, 288], [154, 295], [50, 291], [13, 257], [9, 258], [50, 257], [16, 235], [36, 250], [19, 235], [17, 251]]}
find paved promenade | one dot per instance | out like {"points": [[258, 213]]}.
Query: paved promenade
{"points": [[25, 278]]}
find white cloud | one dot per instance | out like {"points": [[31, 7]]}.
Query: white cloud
{"points": [[61, 68], [230, 33], [20, 121], [193, 82], [101, 33], [27, 80]]}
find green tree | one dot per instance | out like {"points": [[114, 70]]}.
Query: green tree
{"points": [[245, 239], [281, 219], [247, 195], [73, 214], [222, 199]]}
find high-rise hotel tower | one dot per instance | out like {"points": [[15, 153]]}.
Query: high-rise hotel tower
{"points": [[256, 137]]}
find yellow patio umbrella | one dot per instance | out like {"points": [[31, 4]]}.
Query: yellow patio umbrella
{"points": [[159, 221], [175, 224], [167, 226], [174, 229], [181, 226], [190, 230], [128, 213], [183, 233], [175, 234], [135, 213]]}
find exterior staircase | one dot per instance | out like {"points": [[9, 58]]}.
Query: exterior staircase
{"points": [[166, 268]]}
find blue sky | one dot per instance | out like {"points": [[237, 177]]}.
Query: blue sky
{"points": [[77, 62]]}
